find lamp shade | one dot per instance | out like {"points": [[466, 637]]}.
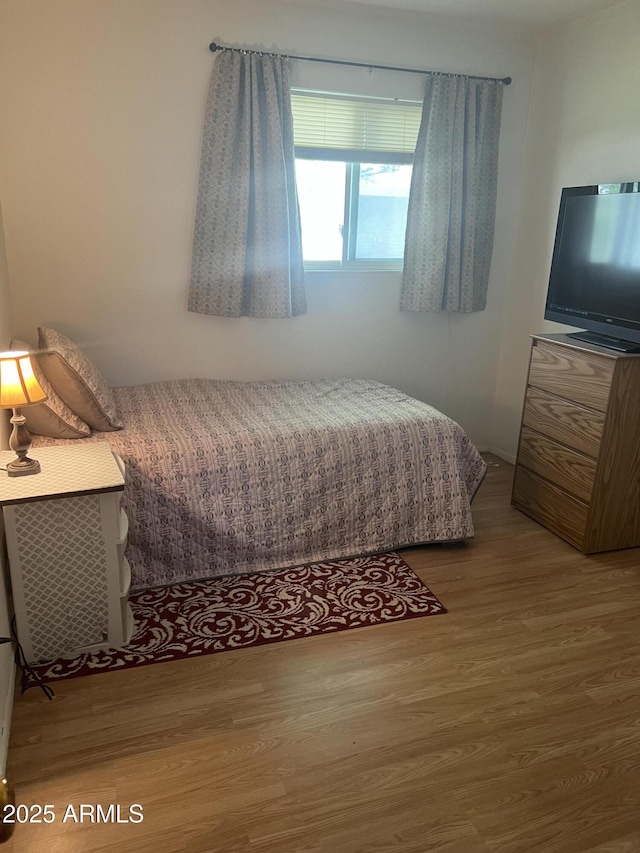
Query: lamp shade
{"points": [[18, 384]]}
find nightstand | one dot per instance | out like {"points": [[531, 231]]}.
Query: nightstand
{"points": [[66, 535]]}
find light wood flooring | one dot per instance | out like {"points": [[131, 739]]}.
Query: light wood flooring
{"points": [[510, 724]]}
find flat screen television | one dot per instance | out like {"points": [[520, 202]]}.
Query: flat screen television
{"points": [[595, 272]]}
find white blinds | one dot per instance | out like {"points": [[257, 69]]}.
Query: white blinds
{"points": [[354, 129]]}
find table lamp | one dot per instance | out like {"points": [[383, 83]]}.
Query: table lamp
{"points": [[19, 387]]}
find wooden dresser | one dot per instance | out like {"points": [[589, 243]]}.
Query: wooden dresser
{"points": [[578, 465]]}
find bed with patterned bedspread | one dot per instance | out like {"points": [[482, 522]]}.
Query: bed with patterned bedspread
{"points": [[235, 477]]}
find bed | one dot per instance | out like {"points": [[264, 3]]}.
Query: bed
{"points": [[235, 477]]}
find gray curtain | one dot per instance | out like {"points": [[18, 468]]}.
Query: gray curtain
{"points": [[452, 202], [247, 247]]}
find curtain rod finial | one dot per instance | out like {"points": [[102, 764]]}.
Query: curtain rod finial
{"points": [[507, 81], [213, 47]]}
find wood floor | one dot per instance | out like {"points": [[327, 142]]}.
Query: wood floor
{"points": [[510, 724]]}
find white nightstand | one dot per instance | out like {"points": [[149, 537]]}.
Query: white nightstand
{"points": [[66, 536]]}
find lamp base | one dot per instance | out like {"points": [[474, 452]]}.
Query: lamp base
{"points": [[20, 443], [22, 467]]}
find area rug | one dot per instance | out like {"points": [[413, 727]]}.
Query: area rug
{"points": [[218, 615]]}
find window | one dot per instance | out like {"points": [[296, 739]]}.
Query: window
{"points": [[353, 172]]}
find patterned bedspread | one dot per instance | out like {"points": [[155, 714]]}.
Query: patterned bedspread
{"points": [[235, 477]]}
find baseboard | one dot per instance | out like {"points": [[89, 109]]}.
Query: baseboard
{"points": [[503, 454]]}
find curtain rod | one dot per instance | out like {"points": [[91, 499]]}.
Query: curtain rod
{"points": [[213, 47]]}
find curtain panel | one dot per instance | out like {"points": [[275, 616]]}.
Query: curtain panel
{"points": [[452, 201], [247, 246]]}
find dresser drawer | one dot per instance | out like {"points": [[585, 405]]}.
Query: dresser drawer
{"points": [[563, 421], [582, 379], [551, 506], [566, 468]]}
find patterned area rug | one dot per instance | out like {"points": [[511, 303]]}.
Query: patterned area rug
{"points": [[218, 615]]}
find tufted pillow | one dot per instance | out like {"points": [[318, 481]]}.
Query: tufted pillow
{"points": [[77, 380], [53, 417]]}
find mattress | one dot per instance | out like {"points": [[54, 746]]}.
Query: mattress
{"points": [[236, 477]]}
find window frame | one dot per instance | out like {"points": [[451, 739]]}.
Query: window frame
{"points": [[348, 262], [353, 159]]}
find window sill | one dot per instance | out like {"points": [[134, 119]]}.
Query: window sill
{"points": [[354, 266]]}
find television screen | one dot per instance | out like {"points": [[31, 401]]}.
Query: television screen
{"points": [[595, 273]]}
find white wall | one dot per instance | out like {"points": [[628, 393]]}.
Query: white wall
{"points": [[102, 106], [584, 128]]}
